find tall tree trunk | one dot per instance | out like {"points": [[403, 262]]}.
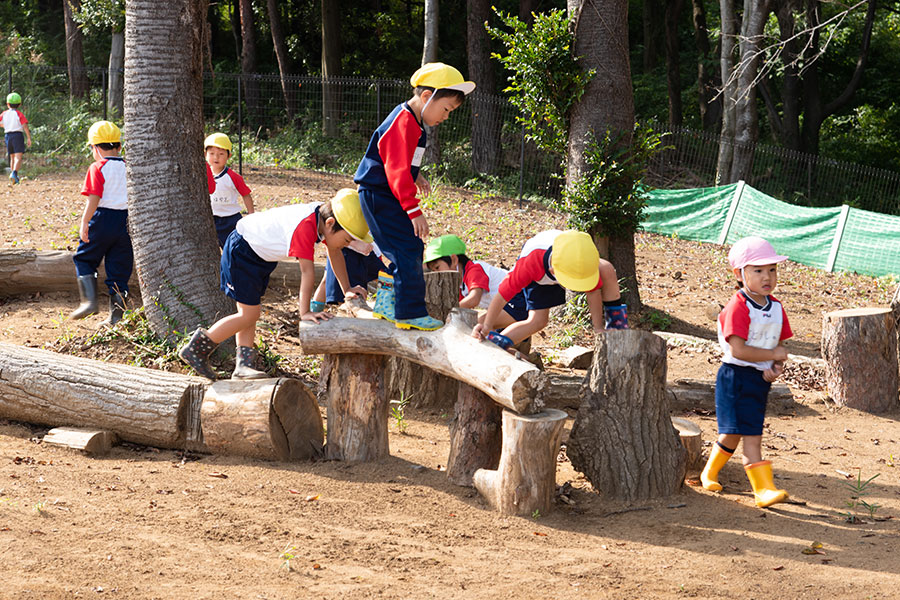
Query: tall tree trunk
{"points": [[432, 20], [707, 82], [673, 64], [170, 218], [601, 39], [746, 123], [116, 97], [486, 122], [331, 66], [249, 65], [653, 19], [281, 54], [787, 125], [79, 85], [729, 91]]}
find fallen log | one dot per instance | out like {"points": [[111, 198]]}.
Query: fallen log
{"points": [[451, 351]]}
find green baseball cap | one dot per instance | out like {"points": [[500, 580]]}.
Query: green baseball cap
{"points": [[443, 246], [13, 98]]}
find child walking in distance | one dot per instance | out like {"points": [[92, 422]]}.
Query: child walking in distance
{"points": [[104, 225], [389, 178], [15, 126], [252, 252], [551, 262], [227, 188], [363, 262], [479, 280], [751, 328]]}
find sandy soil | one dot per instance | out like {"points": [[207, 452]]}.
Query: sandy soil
{"points": [[148, 523]]}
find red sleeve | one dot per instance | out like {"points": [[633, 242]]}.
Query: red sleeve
{"points": [[22, 118], [396, 148], [785, 326], [304, 239], [735, 319], [474, 277], [239, 184], [527, 270], [93, 181], [210, 180]]}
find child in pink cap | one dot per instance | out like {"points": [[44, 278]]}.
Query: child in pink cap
{"points": [[751, 329]]}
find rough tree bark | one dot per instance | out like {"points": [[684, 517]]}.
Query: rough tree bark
{"points": [[729, 91], [116, 98], [707, 82], [673, 64], [79, 85], [353, 388], [281, 54], [248, 63], [623, 439], [331, 67]]}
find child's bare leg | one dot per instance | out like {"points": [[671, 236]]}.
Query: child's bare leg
{"points": [[537, 320], [319, 296], [15, 160], [241, 324], [752, 449]]}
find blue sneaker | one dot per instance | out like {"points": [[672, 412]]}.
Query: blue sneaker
{"points": [[425, 323], [616, 316], [14, 176]]}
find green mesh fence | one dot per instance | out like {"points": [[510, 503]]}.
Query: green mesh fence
{"points": [[838, 238]]}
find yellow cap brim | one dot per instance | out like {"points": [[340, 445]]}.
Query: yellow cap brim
{"points": [[577, 284], [367, 238]]}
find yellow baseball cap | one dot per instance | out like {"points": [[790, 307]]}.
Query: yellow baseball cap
{"points": [[575, 261], [219, 140], [348, 213], [104, 132], [441, 77]]}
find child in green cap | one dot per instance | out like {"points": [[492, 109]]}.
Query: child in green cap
{"points": [[15, 126]]}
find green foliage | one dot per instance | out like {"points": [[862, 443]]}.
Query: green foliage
{"points": [[858, 489], [99, 15], [398, 411]]}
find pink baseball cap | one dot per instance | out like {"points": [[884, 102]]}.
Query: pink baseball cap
{"points": [[753, 250]]}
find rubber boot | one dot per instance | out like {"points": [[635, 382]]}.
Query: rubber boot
{"points": [[196, 353], [244, 361], [616, 316], [116, 307], [760, 476], [384, 298], [87, 288], [316, 306], [710, 475]]}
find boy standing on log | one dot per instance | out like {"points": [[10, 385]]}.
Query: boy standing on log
{"points": [[389, 178], [751, 328], [252, 252], [550, 263]]}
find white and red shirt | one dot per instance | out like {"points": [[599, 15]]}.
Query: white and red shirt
{"points": [[478, 274], [106, 178], [760, 326], [283, 232], [12, 120], [226, 197], [533, 266]]}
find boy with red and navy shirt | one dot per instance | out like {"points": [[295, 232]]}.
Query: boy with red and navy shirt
{"points": [[15, 127], [104, 225], [389, 179], [551, 262], [227, 189], [252, 252]]}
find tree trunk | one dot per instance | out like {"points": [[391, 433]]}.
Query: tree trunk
{"points": [[729, 92], [79, 85], [653, 19], [420, 385], [689, 434], [284, 59], [249, 66], [116, 97], [673, 63], [353, 389], [792, 87], [170, 219], [707, 83], [432, 20], [486, 123], [746, 123], [526, 10], [331, 67], [525, 480], [859, 346], [623, 439]]}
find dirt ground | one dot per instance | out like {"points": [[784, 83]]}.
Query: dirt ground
{"points": [[148, 523]]}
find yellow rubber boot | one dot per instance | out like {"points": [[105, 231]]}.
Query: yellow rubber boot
{"points": [[760, 476], [710, 475]]}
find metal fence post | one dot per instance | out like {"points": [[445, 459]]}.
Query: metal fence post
{"points": [[377, 100], [240, 124]]}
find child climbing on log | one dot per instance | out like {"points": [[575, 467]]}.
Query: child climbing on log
{"points": [[252, 252], [751, 328], [389, 179], [551, 262]]}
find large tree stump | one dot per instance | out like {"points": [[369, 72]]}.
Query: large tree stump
{"points": [[273, 419], [859, 346], [421, 386], [525, 479], [622, 439], [357, 414]]}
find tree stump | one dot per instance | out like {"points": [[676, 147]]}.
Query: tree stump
{"points": [[622, 439], [273, 419], [357, 414], [859, 346], [689, 435], [525, 479], [421, 386]]}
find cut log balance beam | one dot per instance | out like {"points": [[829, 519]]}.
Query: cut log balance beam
{"points": [[26, 271], [451, 351]]}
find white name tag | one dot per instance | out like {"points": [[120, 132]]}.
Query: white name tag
{"points": [[417, 157]]}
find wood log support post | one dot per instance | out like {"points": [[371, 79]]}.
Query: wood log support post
{"points": [[689, 434], [859, 346], [525, 479]]}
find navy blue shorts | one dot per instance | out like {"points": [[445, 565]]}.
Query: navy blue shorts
{"points": [[224, 226], [538, 296], [15, 142], [245, 276], [516, 307], [741, 396]]}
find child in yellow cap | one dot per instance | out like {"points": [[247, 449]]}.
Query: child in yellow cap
{"points": [[227, 189], [551, 262], [389, 180], [252, 252]]}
